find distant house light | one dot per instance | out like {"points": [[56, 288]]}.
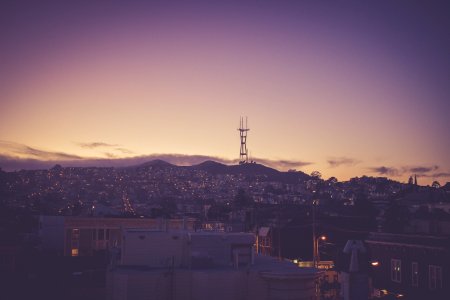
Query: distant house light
{"points": [[74, 252], [396, 272]]}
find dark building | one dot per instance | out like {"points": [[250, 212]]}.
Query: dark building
{"points": [[410, 266], [82, 236]]}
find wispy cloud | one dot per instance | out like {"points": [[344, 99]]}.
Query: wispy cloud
{"points": [[124, 150], [341, 161], [383, 170], [94, 145], [109, 155], [436, 175], [16, 150], [439, 175], [282, 164], [420, 171], [111, 148], [423, 169], [17, 156]]}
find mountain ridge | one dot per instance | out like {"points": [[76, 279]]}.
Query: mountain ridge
{"points": [[249, 169]]}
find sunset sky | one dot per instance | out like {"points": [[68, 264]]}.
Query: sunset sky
{"points": [[346, 88]]}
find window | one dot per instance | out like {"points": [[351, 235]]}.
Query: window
{"points": [[396, 271], [415, 274], [434, 277], [241, 255], [75, 234], [101, 234], [75, 241]]}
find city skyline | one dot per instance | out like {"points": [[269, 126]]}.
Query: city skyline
{"points": [[348, 90]]}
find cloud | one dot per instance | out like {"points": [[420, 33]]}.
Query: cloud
{"points": [[338, 161], [440, 175], [282, 164], [110, 155], [20, 156], [16, 150], [112, 147], [8, 163], [94, 145], [423, 169], [124, 150], [386, 171], [436, 175]]}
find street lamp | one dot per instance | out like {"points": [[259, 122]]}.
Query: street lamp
{"points": [[316, 247], [315, 202]]}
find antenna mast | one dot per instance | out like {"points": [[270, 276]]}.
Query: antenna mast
{"points": [[243, 154]]}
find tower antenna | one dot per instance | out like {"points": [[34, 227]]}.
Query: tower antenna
{"points": [[243, 153]]}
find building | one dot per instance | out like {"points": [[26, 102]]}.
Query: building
{"points": [[154, 264], [264, 241], [413, 266], [83, 236]]}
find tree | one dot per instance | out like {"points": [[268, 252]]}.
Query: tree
{"points": [[436, 184], [316, 174], [364, 208], [332, 180], [168, 206], [242, 200], [396, 217], [218, 211]]}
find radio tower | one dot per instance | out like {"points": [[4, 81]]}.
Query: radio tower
{"points": [[243, 155]]}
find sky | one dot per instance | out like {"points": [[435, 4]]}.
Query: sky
{"points": [[348, 88]]}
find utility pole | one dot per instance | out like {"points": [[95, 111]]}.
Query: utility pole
{"points": [[315, 252]]}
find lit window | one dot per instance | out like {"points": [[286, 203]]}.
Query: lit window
{"points": [[434, 277], [415, 274], [74, 252], [396, 271]]}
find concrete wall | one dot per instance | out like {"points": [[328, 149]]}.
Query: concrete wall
{"points": [[222, 248], [154, 249], [51, 233], [223, 284]]}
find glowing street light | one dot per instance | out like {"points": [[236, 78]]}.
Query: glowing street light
{"points": [[316, 249]]}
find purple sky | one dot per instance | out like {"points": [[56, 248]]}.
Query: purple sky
{"points": [[347, 88]]}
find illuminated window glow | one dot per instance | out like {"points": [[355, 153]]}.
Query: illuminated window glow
{"points": [[396, 271]]}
